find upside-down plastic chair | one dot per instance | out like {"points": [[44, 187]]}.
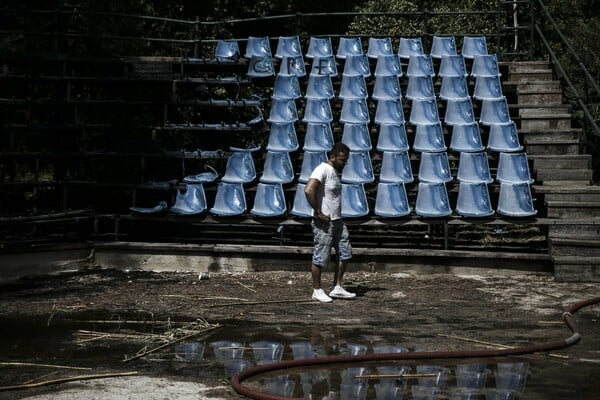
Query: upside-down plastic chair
{"points": [[485, 65], [429, 137], [474, 168], [292, 66], [459, 112], [452, 65], [494, 111], [349, 46], [204, 177], [283, 111], [443, 46], [240, 166], [379, 47], [454, 88], [513, 168], [424, 112], [466, 138], [420, 65], [301, 207], [227, 50], [260, 67], [269, 200], [310, 160], [391, 200], [319, 47], [319, 87], [353, 87], [282, 137], [487, 88], [354, 111], [420, 87], [396, 167], [357, 64], [286, 87], [504, 138], [230, 199], [386, 87], [317, 111], [474, 46], [473, 200], [515, 200], [388, 65], [277, 168], [288, 46], [389, 112], [354, 200], [358, 169], [432, 200], [318, 137], [392, 137], [324, 66], [409, 47], [434, 167], [357, 137], [258, 46], [161, 207]]}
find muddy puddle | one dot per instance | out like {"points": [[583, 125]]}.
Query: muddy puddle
{"points": [[209, 358]]}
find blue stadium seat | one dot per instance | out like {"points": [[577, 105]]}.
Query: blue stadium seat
{"points": [[286, 87], [292, 66], [432, 200], [358, 169], [466, 138], [434, 167], [324, 66], [424, 112], [420, 88], [420, 65], [288, 46], [429, 137], [474, 168], [513, 168], [319, 87], [269, 200], [388, 65], [396, 168], [230, 199], [442, 46], [494, 111], [391, 200], [515, 200], [474, 46], [260, 67], [454, 88], [357, 65], [227, 50], [258, 46], [161, 207], [190, 201], [277, 168], [283, 111], [240, 167], [504, 138], [319, 47], [354, 111], [389, 112], [386, 87], [301, 207], [354, 200], [392, 137], [318, 137], [357, 137], [452, 65], [353, 87], [485, 65], [459, 112], [487, 88], [282, 137], [204, 177], [349, 46], [310, 160], [409, 47], [379, 47], [473, 200], [317, 111]]}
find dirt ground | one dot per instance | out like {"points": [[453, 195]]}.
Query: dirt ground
{"points": [[438, 311]]}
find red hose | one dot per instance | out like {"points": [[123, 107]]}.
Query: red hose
{"points": [[236, 381]]}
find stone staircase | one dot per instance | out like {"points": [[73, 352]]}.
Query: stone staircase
{"points": [[563, 176]]}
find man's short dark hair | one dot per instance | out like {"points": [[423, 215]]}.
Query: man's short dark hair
{"points": [[337, 149]]}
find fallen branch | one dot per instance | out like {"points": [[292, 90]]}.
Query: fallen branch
{"points": [[23, 364], [251, 303], [388, 376], [246, 287], [64, 380]]}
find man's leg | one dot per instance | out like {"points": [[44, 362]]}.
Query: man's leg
{"points": [[338, 273], [316, 276]]}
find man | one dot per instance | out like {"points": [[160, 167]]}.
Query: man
{"points": [[323, 192]]}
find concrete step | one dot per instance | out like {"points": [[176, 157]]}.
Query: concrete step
{"points": [[545, 120], [549, 134], [574, 230], [537, 86], [532, 75], [534, 109], [568, 161], [539, 97], [571, 193], [545, 175], [526, 66], [576, 269], [536, 147], [576, 210], [575, 247]]}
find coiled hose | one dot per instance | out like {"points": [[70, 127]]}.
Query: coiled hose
{"points": [[236, 381]]}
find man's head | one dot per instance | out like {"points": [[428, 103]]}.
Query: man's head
{"points": [[338, 156]]}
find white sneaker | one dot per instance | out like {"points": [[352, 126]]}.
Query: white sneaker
{"points": [[320, 295], [341, 293]]}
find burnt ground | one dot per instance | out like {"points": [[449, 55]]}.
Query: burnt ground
{"points": [[475, 310]]}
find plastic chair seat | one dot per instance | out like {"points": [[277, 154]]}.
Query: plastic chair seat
{"points": [[319, 47], [324, 66], [354, 200], [357, 64], [454, 88], [515, 200], [354, 111], [277, 168], [396, 168], [229, 200], [301, 207], [452, 65], [494, 111], [317, 111], [379, 47], [420, 88], [269, 200], [429, 137], [487, 88], [466, 138], [504, 138], [240, 168], [227, 50], [434, 167], [319, 87], [204, 177], [386, 87], [288, 46], [389, 112], [353, 87], [283, 111], [310, 160], [357, 137], [474, 168], [459, 112], [190, 201], [424, 112], [388, 65], [318, 137], [513, 168], [420, 65], [409, 47], [473, 200], [485, 65], [391, 200], [157, 209], [349, 46], [260, 67], [443, 46], [474, 46], [286, 87], [358, 169], [432, 200], [392, 137], [258, 46], [292, 66], [282, 137]]}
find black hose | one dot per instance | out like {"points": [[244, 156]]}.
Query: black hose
{"points": [[236, 381]]}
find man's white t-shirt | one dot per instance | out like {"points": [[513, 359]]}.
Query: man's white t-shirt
{"points": [[329, 194]]}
